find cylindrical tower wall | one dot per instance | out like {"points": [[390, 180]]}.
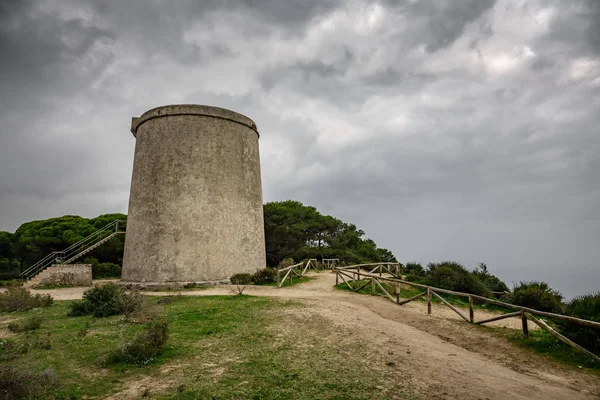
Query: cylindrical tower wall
{"points": [[195, 208]]}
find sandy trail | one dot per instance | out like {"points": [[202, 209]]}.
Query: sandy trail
{"points": [[439, 354]]}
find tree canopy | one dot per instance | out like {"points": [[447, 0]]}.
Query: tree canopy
{"points": [[36, 239], [298, 231]]}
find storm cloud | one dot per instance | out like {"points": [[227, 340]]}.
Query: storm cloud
{"points": [[446, 130]]}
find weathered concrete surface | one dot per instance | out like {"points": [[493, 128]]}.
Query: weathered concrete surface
{"points": [[195, 210], [64, 274]]}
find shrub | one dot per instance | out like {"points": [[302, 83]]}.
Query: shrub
{"points": [[19, 381], [241, 279], [79, 308], [109, 299], [12, 282], [17, 298], [492, 282], [103, 270], [104, 300], [585, 307], [415, 269], [10, 349], [286, 262], [537, 295], [29, 324], [145, 345], [453, 276], [263, 276], [132, 304]]}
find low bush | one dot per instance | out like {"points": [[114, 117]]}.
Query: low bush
{"points": [[110, 299], [453, 276], [286, 262], [537, 295], [144, 346], [21, 382], [10, 348], [17, 298], [132, 304], [103, 300], [103, 270], [492, 282], [414, 269], [585, 307], [264, 276], [29, 324], [241, 279], [79, 308], [11, 282]]}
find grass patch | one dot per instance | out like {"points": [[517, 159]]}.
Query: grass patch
{"points": [[50, 287], [296, 280], [544, 343], [218, 347]]}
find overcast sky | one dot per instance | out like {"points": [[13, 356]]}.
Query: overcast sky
{"points": [[447, 130]]}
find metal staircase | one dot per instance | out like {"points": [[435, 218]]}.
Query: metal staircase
{"points": [[76, 250]]}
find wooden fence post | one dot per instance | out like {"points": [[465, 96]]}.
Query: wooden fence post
{"points": [[397, 293], [278, 278], [337, 278], [428, 300], [373, 287], [471, 313], [524, 322]]}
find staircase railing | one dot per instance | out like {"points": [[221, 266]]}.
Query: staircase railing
{"points": [[72, 252]]}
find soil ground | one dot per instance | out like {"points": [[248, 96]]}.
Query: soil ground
{"points": [[438, 355]]}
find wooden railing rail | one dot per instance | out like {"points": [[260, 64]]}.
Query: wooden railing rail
{"points": [[288, 271]]}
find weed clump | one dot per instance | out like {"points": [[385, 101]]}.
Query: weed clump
{"points": [[241, 279], [29, 324], [17, 298], [20, 381], [263, 276], [10, 349], [144, 346]]}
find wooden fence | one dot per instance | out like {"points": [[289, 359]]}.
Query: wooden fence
{"points": [[289, 272], [355, 276]]}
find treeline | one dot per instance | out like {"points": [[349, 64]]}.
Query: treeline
{"points": [[292, 230]]}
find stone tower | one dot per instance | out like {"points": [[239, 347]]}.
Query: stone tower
{"points": [[195, 208]]}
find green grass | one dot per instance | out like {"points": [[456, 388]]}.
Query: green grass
{"points": [[544, 343], [295, 281], [220, 347], [49, 287]]}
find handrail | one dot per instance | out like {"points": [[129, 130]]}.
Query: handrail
{"points": [[73, 251], [288, 271]]}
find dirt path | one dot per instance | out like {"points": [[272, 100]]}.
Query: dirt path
{"points": [[439, 354]]}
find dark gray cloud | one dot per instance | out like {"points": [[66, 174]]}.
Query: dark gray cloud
{"points": [[446, 130]]}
